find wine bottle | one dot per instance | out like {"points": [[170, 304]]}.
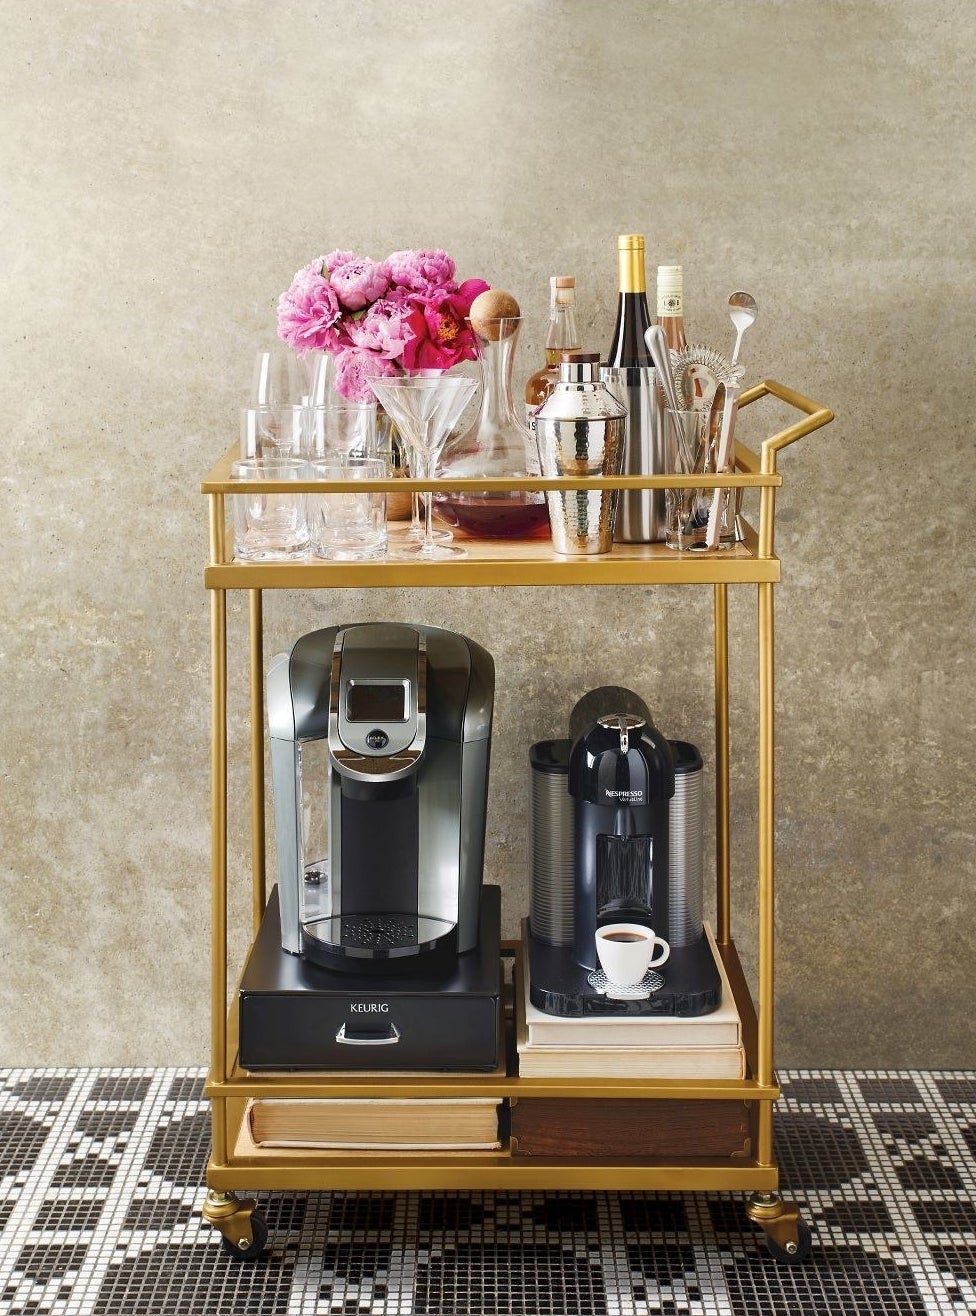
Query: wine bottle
{"points": [[670, 306], [627, 346], [562, 336], [630, 376]]}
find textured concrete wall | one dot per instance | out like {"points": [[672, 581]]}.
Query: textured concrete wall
{"points": [[167, 166]]}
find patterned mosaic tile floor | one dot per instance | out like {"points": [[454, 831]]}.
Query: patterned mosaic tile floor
{"points": [[100, 1194]]}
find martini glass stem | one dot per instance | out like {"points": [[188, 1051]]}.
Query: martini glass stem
{"points": [[425, 463], [428, 518]]}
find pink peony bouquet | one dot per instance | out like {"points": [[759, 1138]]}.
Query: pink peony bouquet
{"points": [[379, 318]]}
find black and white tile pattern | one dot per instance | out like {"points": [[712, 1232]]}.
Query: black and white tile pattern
{"points": [[101, 1175]]}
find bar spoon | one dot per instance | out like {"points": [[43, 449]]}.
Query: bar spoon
{"points": [[743, 310]]}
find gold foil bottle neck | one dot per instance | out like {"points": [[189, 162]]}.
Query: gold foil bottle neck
{"points": [[630, 257]]}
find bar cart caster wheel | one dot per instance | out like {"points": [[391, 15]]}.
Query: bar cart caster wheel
{"points": [[243, 1231], [242, 1250], [788, 1238], [795, 1250]]}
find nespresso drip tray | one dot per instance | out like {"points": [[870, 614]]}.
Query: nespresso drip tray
{"points": [[354, 943]]}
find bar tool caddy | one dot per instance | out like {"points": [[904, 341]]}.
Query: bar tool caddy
{"points": [[747, 566]]}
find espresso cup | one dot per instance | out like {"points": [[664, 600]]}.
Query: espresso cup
{"points": [[626, 951]]}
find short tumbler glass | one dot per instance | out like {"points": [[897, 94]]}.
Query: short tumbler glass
{"points": [[342, 429], [349, 527], [270, 527], [274, 431]]}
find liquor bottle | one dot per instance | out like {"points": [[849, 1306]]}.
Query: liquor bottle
{"points": [[562, 336], [629, 375], [627, 346], [670, 307]]}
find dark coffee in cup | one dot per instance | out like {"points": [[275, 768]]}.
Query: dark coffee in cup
{"points": [[626, 951]]}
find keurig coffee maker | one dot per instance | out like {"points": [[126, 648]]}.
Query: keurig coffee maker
{"points": [[402, 719], [385, 949]]}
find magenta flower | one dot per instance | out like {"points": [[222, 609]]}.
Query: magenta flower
{"points": [[379, 318], [354, 366], [439, 337], [309, 314], [359, 282], [383, 328], [420, 271]]}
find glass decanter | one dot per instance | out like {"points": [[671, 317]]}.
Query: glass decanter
{"points": [[497, 446]]}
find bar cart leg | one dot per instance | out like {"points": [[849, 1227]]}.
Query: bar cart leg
{"points": [[720, 609], [788, 1237], [243, 1230]]}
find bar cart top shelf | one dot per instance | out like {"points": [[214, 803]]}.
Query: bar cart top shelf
{"points": [[535, 562]]}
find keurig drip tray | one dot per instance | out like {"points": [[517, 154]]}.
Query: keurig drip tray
{"points": [[296, 1015]]}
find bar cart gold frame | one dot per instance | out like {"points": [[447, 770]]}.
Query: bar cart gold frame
{"points": [[491, 563]]}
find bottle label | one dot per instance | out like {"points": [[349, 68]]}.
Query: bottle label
{"points": [[669, 304], [533, 464]]}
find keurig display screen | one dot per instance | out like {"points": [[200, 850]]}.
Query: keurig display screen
{"points": [[376, 701]]}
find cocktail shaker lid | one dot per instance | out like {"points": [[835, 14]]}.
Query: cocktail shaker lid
{"points": [[579, 367], [579, 393]]}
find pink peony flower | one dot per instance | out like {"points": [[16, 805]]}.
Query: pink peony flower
{"points": [[309, 314], [379, 317], [359, 281], [439, 337], [354, 366], [420, 271], [383, 328], [334, 260]]}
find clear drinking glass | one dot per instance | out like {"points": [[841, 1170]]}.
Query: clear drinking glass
{"points": [[281, 377], [274, 431], [343, 429], [348, 527], [270, 526], [686, 453]]}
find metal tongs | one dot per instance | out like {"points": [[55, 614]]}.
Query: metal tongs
{"points": [[721, 420]]}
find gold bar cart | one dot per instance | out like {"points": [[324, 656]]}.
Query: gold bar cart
{"points": [[229, 1087]]}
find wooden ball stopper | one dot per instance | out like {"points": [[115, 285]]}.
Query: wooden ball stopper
{"points": [[490, 311]]}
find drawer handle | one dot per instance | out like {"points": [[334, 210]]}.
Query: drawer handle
{"points": [[377, 1039]]}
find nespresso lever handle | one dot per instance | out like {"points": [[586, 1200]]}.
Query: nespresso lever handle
{"points": [[369, 1039]]}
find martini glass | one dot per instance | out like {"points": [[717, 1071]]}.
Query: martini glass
{"points": [[426, 408]]}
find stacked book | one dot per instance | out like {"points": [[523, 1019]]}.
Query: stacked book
{"points": [[655, 1046], [373, 1124]]}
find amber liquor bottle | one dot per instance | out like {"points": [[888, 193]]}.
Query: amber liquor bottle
{"points": [[562, 336]]}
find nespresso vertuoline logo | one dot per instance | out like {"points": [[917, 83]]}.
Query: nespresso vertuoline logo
{"points": [[635, 796], [369, 1007]]}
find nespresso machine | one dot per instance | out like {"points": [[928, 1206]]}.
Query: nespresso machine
{"points": [[383, 952], [635, 858]]}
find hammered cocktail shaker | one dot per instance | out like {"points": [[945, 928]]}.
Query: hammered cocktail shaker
{"points": [[580, 431]]}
